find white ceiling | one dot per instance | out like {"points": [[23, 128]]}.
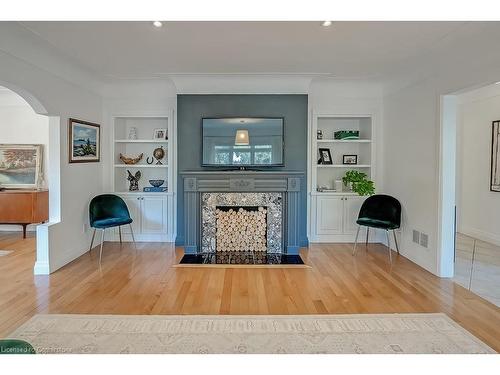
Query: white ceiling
{"points": [[345, 50]]}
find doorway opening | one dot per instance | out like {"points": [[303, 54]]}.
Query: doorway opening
{"points": [[29, 177], [469, 202]]}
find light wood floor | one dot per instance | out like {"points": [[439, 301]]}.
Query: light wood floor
{"points": [[144, 282]]}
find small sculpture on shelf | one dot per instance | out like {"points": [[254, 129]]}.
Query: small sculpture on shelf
{"points": [[132, 134], [159, 154], [128, 160], [134, 180]]}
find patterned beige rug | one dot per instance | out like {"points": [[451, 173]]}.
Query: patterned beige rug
{"points": [[384, 333]]}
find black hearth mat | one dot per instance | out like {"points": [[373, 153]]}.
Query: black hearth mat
{"points": [[240, 257]]}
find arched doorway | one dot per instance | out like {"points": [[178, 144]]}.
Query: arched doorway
{"points": [[24, 120]]}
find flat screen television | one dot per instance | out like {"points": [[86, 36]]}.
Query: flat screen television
{"points": [[242, 142]]}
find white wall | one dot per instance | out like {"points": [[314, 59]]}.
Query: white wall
{"points": [[412, 137], [477, 207], [49, 91], [19, 124]]}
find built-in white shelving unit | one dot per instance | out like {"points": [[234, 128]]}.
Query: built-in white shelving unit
{"points": [[152, 212], [333, 212]]}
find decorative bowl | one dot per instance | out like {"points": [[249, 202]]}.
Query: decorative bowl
{"points": [[156, 183]]}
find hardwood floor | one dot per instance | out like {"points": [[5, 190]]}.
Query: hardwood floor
{"points": [[144, 282]]}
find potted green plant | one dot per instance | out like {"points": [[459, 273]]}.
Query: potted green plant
{"points": [[359, 182]]}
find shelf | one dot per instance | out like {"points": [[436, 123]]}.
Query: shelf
{"points": [[141, 141], [140, 166], [343, 141], [142, 193], [334, 193], [343, 165]]}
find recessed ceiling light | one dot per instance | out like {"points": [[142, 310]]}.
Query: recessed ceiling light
{"points": [[157, 24], [327, 23], [497, 83]]}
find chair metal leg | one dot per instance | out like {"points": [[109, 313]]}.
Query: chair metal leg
{"points": [[92, 241], [102, 242], [367, 234], [395, 241], [133, 238], [120, 233], [356, 241], [389, 246]]}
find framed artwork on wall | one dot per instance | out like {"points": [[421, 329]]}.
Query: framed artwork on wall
{"points": [[21, 166], [495, 157], [84, 141]]}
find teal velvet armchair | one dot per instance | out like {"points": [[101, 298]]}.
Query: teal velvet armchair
{"points": [[382, 212], [108, 211]]}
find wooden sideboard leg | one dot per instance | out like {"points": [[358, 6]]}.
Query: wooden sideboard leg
{"points": [[24, 230]]}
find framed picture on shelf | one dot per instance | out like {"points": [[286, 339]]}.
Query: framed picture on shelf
{"points": [[160, 134], [21, 166], [350, 159], [84, 141], [319, 134], [325, 157], [495, 157]]}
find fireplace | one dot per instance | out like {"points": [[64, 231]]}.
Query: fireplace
{"points": [[277, 192], [241, 228]]}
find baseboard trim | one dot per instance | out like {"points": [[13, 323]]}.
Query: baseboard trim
{"points": [[481, 235], [41, 268]]}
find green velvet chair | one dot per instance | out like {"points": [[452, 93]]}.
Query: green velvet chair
{"points": [[381, 212], [13, 346], [108, 211]]}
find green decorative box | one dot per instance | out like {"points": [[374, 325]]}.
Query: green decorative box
{"points": [[346, 134]]}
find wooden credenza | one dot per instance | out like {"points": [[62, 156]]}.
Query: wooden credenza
{"points": [[24, 207]]}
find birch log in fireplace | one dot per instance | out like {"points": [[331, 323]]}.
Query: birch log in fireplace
{"points": [[241, 228], [277, 193]]}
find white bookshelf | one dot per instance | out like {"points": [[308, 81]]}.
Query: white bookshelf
{"points": [[153, 212], [145, 144], [333, 213], [326, 174]]}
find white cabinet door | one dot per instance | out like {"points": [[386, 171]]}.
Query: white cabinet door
{"points": [[154, 215], [329, 213], [351, 211], [134, 208]]}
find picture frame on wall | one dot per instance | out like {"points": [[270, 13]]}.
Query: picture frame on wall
{"points": [[495, 157], [325, 156], [21, 166], [84, 141], [160, 134], [350, 159]]}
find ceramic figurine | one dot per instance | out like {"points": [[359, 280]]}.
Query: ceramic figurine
{"points": [[134, 180]]}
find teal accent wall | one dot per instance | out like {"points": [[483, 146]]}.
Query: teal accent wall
{"points": [[192, 108]]}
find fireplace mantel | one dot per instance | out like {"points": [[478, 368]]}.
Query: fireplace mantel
{"points": [[198, 182]]}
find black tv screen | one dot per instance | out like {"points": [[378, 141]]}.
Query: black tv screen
{"points": [[242, 142]]}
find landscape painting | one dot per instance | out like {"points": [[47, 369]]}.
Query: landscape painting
{"points": [[20, 166], [495, 157], [84, 141]]}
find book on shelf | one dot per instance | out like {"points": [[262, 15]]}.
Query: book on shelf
{"points": [[152, 189]]}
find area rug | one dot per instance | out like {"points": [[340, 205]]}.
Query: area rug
{"points": [[364, 333]]}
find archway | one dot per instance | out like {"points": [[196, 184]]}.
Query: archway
{"points": [[29, 123]]}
